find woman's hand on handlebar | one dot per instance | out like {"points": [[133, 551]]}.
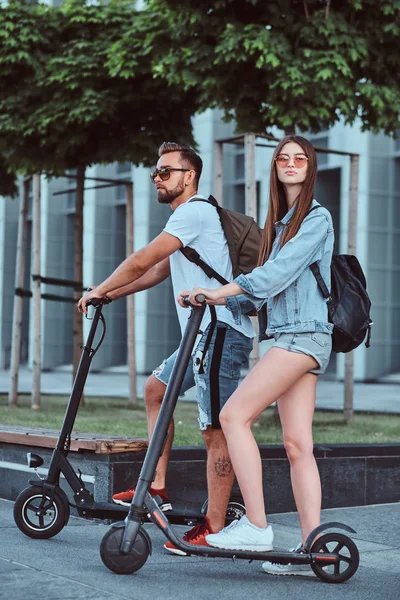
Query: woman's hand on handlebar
{"points": [[211, 297]]}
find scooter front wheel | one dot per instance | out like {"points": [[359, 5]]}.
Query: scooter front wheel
{"points": [[39, 517], [347, 554], [124, 564]]}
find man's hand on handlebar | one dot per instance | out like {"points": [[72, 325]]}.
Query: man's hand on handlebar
{"points": [[91, 295], [211, 297]]}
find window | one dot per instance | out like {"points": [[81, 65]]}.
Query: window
{"points": [[397, 142], [322, 158], [124, 167]]}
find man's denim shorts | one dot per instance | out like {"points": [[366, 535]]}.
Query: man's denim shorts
{"points": [[315, 344], [235, 354]]}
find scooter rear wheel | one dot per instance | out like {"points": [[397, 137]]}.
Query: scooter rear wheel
{"points": [[347, 551], [39, 517], [124, 564]]}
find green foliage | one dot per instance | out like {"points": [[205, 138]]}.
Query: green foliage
{"points": [[60, 106], [279, 62], [84, 84]]}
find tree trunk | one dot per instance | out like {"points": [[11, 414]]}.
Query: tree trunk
{"points": [[36, 300], [351, 249], [78, 274], [290, 130], [130, 300], [218, 167], [251, 209], [18, 300]]}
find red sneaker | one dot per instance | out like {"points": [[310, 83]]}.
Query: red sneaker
{"points": [[195, 536], [125, 498]]}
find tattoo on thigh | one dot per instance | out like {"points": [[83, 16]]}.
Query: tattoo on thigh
{"points": [[223, 466]]}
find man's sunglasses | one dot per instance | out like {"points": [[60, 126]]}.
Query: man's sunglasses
{"points": [[299, 161], [164, 173]]}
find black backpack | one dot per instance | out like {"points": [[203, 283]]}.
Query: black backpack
{"points": [[244, 240], [348, 303]]}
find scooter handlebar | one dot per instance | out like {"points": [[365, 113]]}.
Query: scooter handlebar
{"points": [[200, 298], [95, 302]]}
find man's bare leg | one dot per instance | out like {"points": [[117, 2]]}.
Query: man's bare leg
{"points": [[154, 391], [220, 477]]}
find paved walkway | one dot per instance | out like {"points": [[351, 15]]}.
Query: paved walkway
{"points": [[69, 567], [375, 397]]}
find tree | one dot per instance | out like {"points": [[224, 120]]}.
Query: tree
{"points": [[291, 64], [61, 108], [59, 105], [307, 63]]}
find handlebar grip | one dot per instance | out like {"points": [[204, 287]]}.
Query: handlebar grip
{"points": [[200, 298], [95, 302]]}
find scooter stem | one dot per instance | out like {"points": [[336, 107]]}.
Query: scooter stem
{"points": [[160, 433]]}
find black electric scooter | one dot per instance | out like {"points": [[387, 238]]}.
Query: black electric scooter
{"points": [[42, 510], [124, 549]]}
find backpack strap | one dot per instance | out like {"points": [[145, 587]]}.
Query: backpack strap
{"points": [[320, 281], [194, 257], [313, 208], [317, 273]]}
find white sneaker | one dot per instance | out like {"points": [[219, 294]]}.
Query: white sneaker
{"points": [[242, 535], [277, 569]]}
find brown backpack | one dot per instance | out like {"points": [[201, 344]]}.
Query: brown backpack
{"points": [[244, 240]]}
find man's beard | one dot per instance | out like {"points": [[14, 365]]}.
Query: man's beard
{"points": [[167, 196]]}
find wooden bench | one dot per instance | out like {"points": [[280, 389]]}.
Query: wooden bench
{"points": [[352, 474], [97, 456], [47, 438]]}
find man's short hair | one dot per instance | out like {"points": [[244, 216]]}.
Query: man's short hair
{"points": [[188, 157]]}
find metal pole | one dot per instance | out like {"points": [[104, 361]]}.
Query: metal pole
{"points": [[218, 173], [77, 320], [130, 300], [18, 300], [36, 301], [351, 249], [250, 198]]}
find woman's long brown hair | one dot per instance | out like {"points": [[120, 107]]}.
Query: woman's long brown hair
{"points": [[277, 198]]}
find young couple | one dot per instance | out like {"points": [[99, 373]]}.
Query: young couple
{"points": [[293, 238]]}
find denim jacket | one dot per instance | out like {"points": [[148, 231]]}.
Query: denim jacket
{"points": [[286, 283]]}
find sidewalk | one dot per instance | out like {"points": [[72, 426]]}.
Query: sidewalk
{"points": [[69, 565], [373, 397]]}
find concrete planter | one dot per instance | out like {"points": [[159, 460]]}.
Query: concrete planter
{"points": [[352, 474]]}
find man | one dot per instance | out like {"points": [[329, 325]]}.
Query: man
{"points": [[194, 224]]}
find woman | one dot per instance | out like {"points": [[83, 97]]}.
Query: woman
{"points": [[294, 237]]}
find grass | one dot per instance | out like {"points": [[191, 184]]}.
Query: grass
{"points": [[115, 416]]}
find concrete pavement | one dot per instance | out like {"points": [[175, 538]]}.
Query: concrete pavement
{"points": [[69, 566], [383, 396]]}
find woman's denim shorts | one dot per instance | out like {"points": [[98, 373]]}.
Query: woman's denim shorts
{"points": [[315, 344]]}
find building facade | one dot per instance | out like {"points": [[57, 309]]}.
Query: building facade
{"points": [[157, 331]]}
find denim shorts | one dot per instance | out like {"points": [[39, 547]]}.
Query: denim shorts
{"points": [[235, 354], [315, 344]]}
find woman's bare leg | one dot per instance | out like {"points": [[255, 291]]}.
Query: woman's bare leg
{"points": [[296, 411], [276, 372]]}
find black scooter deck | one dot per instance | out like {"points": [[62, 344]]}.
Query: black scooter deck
{"points": [[117, 512]]}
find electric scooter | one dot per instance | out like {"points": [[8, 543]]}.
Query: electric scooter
{"points": [[42, 510], [124, 549]]}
